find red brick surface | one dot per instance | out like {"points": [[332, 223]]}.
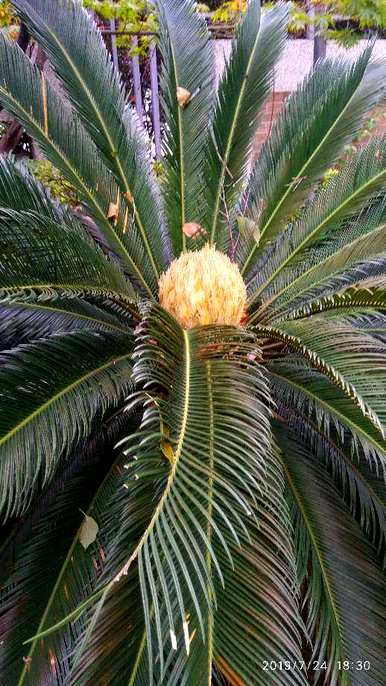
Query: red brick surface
{"points": [[275, 103]]}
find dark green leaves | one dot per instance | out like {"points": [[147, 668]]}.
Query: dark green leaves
{"points": [[187, 64], [48, 117], [352, 360], [302, 389], [77, 51], [349, 207], [345, 588], [307, 137], [36, 251], [52, 392], [45, 574], [243, 89]]}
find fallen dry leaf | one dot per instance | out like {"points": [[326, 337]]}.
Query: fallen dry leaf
{"points": [[88, 531], [183, 96], [193, 230], [113, 211]]}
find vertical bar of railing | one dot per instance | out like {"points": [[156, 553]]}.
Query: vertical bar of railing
{"points": [[137, 81], [155, 101], [114, 51]]}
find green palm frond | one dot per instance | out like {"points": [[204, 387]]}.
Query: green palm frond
{"points": [[347, 302], [349, 357], [20, 192], [47, 407], [362, 488], [307, 137], [360, 265], [210, 492], [123, 518], [23, 322], [259, 621], [235, 473], [336, 563], [204, 485], [77, 52], [242, 92], [61, 136], [312, 394], [351, 205], [253, 622], [187, 64], [32, 259], [37, 586]]}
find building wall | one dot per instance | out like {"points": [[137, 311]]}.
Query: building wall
{"points": [[294, 65], [296, 59], [275, 103]]}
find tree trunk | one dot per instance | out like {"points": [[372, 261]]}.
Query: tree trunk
{"points": [[14, 133], [23, 37], [11, 138], [320, 44], [320, 47]]}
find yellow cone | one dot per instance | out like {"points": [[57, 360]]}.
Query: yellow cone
{"points": [[203, 287]]}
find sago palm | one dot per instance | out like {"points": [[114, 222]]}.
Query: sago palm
{"points": [[192, 395]]}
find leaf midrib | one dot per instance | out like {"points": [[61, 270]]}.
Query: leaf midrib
{"points": [[310, 236], [93, 201], [210, 514], [181, 174], [225, 159], [299, 175], [64, 391], [105, 129], [330, 408]]}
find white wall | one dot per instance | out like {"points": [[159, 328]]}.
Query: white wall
{"points": [[296, 60]]}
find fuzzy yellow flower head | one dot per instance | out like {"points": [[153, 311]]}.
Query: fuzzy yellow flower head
{"points": [[203, 287]]}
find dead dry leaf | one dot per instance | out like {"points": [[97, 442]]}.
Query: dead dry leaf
{"points": [[129, 197], [193, 230], [113, 211], [183, 96], [88, 531]]}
